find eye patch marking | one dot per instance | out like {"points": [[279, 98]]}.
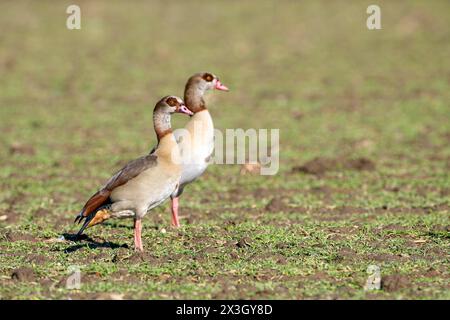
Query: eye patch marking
{"points": [[208, 77], [172, 102]]}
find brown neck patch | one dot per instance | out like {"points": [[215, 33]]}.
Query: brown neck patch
{"points": [[193, 96], [162, 133], [161, 123], [196, 106]]}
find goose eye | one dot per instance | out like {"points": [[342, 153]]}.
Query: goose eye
{"points": [[208, 77], [171, 101]]}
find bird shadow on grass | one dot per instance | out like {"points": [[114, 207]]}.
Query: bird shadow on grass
{"points": [[129, 227], [118, 225], [88, 243]]}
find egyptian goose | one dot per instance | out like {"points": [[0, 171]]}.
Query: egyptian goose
{"points": [[197, 150], [143, 183]]}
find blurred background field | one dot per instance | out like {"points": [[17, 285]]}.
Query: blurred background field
{"points": [[364, 148]]}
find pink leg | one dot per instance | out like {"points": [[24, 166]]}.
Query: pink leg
{"points": [[137, 235], [175, 220]]}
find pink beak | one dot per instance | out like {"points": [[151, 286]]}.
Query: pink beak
{"points": [[184, 109], [220, 86]]}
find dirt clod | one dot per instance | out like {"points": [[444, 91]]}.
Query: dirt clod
{"points": [[36, 258], [394, 282], [250, 168], [19, 148], [243, 243], [317, 166], [137, 257], [360, 164], [23, 274], [321, 165], [275, 205], [13, 236]]}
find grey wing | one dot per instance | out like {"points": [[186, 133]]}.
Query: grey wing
{"points": [[130, 171]]}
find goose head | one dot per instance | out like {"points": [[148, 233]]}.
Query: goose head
{"points": [[205, 81], [172, 104]]}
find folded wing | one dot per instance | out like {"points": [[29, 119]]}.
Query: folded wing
{"points": [[130, 171]]}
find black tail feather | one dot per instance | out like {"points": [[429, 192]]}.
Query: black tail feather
{"points": [[89, 218], [78, 218], [86, 222]]}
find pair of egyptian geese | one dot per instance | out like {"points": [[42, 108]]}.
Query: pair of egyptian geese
{"points": [[148, 181]]}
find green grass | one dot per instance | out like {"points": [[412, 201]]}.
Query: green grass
{"points": [[76, 105]]}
